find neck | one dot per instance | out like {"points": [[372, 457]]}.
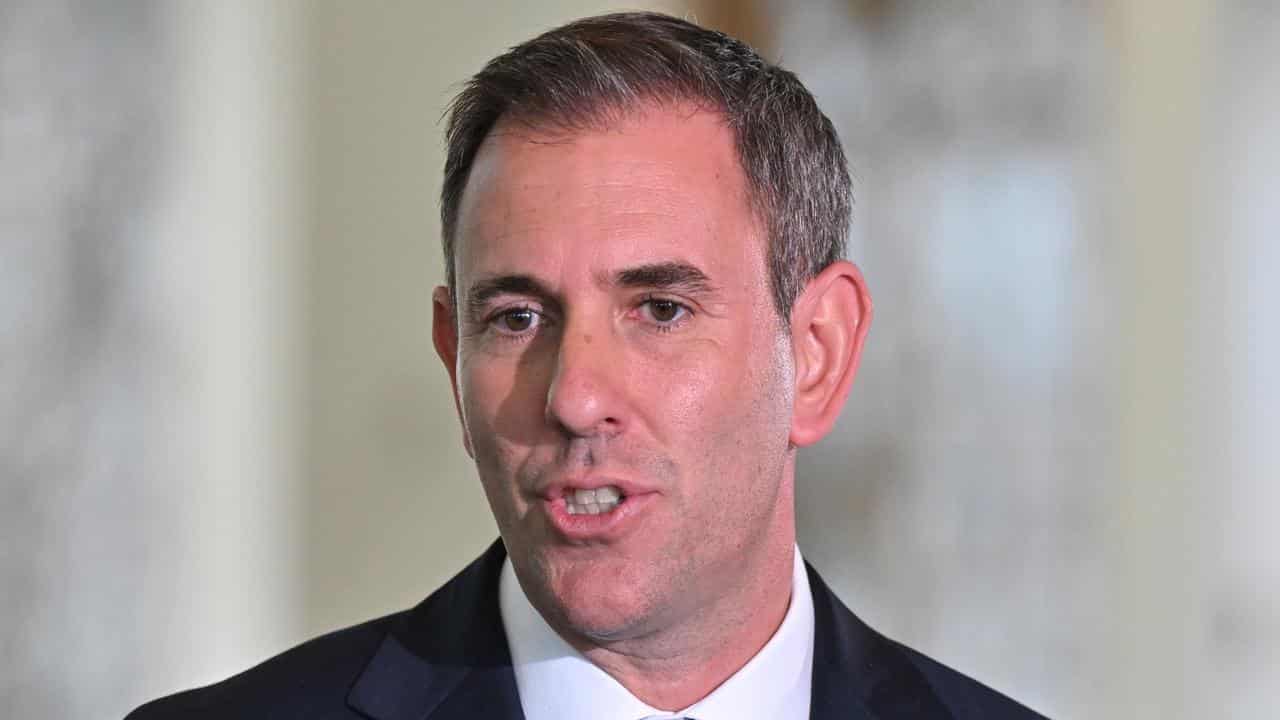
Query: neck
{"points": [[682, 663]]}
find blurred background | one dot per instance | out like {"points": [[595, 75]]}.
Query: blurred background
{"points": [[223, 429]]}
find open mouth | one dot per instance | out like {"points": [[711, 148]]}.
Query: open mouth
{"points": [[593, 502]]}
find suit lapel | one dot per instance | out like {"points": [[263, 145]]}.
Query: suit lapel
{"points": [[858, 673], [447, 659]]}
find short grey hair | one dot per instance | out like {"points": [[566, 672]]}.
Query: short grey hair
{"points": [[587, 73]]}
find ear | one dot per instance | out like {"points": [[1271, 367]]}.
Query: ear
{"points": [[829, 322], [444, 333]]}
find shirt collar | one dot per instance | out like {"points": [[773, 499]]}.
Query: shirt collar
{"points": [[557, 683]]}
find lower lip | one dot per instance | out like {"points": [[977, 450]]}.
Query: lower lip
{"points": [[604, 526]]}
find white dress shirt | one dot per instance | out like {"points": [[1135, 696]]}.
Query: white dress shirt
{"points": [[557, 683]]}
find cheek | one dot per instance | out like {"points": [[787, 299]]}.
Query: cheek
{"points": [[678, 397], [502, 396], [501, 407], [727, 414], [496, 402], [704, 396]]}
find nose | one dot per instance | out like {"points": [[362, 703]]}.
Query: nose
{"points": [[585, 398]]}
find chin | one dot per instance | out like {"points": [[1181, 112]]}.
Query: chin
{"points": [[600, 601]]}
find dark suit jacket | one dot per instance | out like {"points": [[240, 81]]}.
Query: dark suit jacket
{"points": [[447, 659]]}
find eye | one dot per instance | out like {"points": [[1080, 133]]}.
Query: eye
{"points": [[665, 312], [516, 321]]}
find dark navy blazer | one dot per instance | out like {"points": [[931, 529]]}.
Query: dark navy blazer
{"points": [[447, 659]]}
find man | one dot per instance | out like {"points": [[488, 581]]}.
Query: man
{"points": [[646, 316]]}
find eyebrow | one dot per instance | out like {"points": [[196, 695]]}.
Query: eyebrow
{"points": [[672, 275], [665, 276], [486, 289]]}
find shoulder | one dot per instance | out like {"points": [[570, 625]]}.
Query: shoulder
{"points": [[854, 665], [962, 695], [316, 679], [310, 680]]}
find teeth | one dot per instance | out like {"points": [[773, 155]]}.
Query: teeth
{"points": [[593, 502]]}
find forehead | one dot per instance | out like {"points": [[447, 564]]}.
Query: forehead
{"points": [[662, 183]]}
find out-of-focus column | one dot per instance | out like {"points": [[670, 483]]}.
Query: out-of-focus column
{"points": [[223, 510], [1160, 337], [148, 245], [1241, 655]]}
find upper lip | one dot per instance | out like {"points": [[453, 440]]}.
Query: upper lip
{"points": [[558, 488]]}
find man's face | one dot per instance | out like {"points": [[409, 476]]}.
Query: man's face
{"points": [[616, 330]]}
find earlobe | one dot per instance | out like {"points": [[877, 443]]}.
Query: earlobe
{"points": [[444, 334], [829, 322]]}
